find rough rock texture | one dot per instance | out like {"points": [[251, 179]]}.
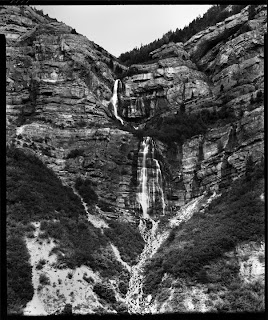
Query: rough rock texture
{"points": [[165, 84], [251, 262], [53, 75], [59, 85], [220, 67], [58, 91], [211, 162], [232, 52]]}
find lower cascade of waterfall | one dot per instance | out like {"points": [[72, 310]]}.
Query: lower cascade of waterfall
{"points": [[150, 196], [150, 193], [136, 301]]}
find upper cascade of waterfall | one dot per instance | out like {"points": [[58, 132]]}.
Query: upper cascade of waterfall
{"points": [[114, 100], [150, 192]]}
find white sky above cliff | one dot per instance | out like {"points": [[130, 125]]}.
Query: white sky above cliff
{"points": [[120, 28]]}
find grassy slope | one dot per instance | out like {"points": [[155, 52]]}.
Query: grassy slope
{"points": [[35, 193], [127, 239], [236, 216]]}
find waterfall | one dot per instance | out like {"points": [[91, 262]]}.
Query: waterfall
{"points": [[150, 196], [114, 100], [143, 195], [158, 183], [150, 193]]}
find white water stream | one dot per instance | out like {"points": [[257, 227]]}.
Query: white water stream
{"points": [[150, 189], [150, 186], [136, 302], [114, 101], [143, 195]]}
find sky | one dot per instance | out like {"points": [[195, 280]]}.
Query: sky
{"points": [[120, 28]]}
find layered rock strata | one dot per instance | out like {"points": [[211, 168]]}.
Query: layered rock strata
{"points": [[164, 84], [59, 85], [219, 68]]}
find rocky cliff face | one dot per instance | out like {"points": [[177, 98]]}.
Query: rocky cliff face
{"points": [[59, 87], [218, 68], [172, 79], [58, 90]]}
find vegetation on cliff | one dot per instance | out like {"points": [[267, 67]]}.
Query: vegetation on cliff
{"points": [[181, 126], [194, 251], [86, 190], [105, 292], [19, 273], [214, 15], [236, 216], [35, 193], [127, 239]]}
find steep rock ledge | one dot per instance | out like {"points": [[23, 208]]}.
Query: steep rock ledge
{"points": [[164, 84], [59, 85], [58, 92], [211, 162], [232, 53], [50, 69]]}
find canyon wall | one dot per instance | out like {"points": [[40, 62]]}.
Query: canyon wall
{"points": [[59, 86], [59, 89]]}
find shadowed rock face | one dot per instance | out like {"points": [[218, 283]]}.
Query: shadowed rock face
{"points": [[59, 85]]}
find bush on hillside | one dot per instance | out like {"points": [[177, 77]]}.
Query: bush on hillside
{"points": [[83, 244], [126, 238], [243, 297], [105, 292], [182, 126], [85, 189], [34, 192], [43, 279], [19, 274], [235, 217]]}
